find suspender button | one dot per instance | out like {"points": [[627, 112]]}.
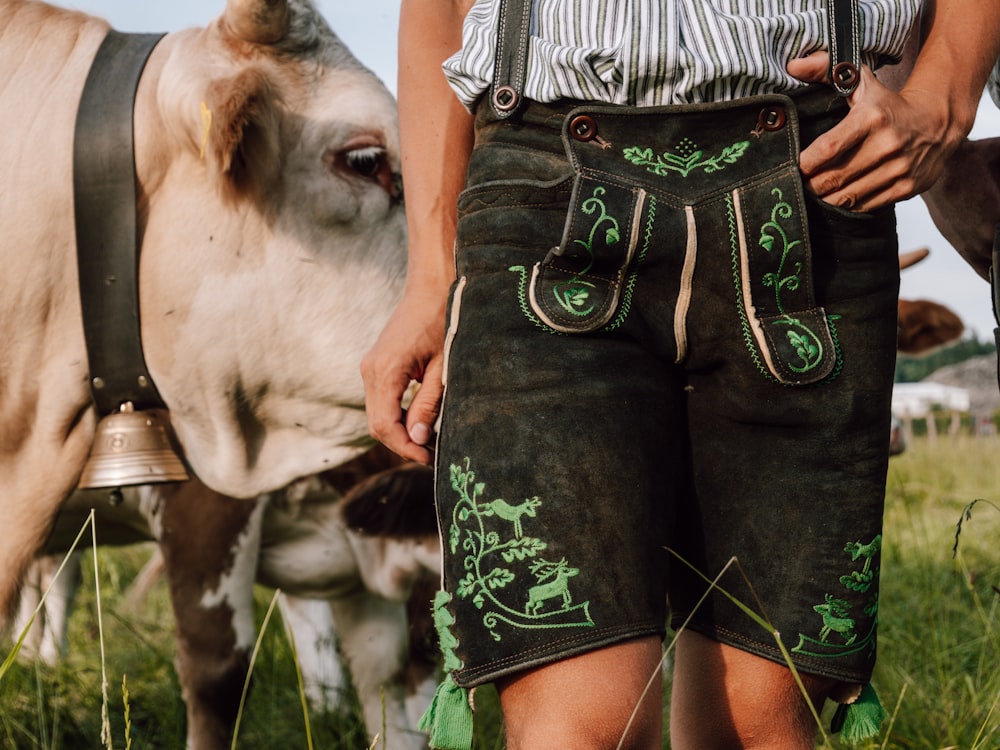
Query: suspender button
{"points": [[846, 77], [505, 98]]}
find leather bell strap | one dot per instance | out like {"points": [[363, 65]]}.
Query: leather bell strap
{"points": [[105, 212]]}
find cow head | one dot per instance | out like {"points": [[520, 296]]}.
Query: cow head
{"points": [[273, 240]]}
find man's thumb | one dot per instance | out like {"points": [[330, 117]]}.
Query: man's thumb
{"points": [[811, 69], [423, 410]]}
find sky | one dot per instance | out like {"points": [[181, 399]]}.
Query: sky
{"points": [[369, 27]]}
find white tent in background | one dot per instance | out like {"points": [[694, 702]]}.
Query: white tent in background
{"points": [[915, 400]]}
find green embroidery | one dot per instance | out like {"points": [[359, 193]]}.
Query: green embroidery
{"points": [[628, 289], [748, 337], [548, 603], [734, 251], [633, 276], [804, 341], [522, 300], [443, 620], [574, 295], [836, 613], [685, 158]]}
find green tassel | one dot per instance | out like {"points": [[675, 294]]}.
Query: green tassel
{"points": [[860, 720], [448, 719]]}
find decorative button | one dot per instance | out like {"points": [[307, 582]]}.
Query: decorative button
{"points": [[771, 119], [583, 128]]}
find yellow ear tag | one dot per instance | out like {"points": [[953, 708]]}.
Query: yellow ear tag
{"points": [[206, 124]]}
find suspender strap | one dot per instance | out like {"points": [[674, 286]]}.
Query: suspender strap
{"points": [[845, 45], [105, 207], [511, 66]]}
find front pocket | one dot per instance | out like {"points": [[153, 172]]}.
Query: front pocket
{"points": [[775, 266], [578, 287]]}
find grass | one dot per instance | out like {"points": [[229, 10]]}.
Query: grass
{"points": [[939, 646]]}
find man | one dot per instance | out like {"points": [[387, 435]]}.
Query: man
{"points": [[600, 408]]}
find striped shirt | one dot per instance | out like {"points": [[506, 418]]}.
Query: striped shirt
{"points": [[650, 52]]}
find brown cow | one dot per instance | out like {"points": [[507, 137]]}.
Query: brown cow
{"points": [[924, 326], [352, 551], [964, 203]]}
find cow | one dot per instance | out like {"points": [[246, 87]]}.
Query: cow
{"points": [[964, 202], [354, 552], [272, 240], [923, 325]]}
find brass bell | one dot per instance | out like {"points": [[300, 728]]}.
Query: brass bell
{"points": [[132, 448]]}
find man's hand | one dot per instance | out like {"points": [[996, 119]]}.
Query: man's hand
{"points": [[890, 146], [410, 348]]}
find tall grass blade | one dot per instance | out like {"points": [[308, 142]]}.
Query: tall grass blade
{"points": [[253, 661], [40, 703], [105, 717], [301, 687], [128, 714], [16, 649], [986, 722], [760, 620], [659, 667], [895, 713]]}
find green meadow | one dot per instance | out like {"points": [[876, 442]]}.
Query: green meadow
{"points": [[939, 646]]}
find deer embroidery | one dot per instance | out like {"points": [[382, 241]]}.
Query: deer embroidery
{"points": [[552, 582], [835, 619], [844, 616], [499, 562]]}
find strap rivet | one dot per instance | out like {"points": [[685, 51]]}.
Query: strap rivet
{"points": [[505, 98], [845, 75]]}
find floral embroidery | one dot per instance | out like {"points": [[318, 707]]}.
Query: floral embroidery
{"points": [[837, 635], [685, 158], [494, 562], [786, 277], [574, 295]]}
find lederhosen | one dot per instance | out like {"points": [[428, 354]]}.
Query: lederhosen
{"points": [[666, 364]]}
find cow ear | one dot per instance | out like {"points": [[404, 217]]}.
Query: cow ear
{"points": [[258, 21], [242, 139]]}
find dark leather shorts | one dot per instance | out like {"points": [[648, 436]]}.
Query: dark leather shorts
{"points": [[662, 356]]}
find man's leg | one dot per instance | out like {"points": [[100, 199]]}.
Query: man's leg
{"points": [[585, 702], [728, 699]]}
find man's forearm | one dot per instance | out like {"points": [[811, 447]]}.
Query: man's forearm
{"points": [[435, 134], [960, 46]]}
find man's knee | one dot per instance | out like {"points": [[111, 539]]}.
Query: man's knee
{"points": [[725, 698], [601, 700]]}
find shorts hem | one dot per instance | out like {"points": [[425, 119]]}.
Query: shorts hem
{"points": [[806, 665], [552, 652]]}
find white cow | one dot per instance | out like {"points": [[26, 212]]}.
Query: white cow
{"points": [[272, 250]]}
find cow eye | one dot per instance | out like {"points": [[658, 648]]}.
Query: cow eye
{"points": [[367, 162]]}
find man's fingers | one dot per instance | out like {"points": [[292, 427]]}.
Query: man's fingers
{"points": [[423, 410], [813, 68]]}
